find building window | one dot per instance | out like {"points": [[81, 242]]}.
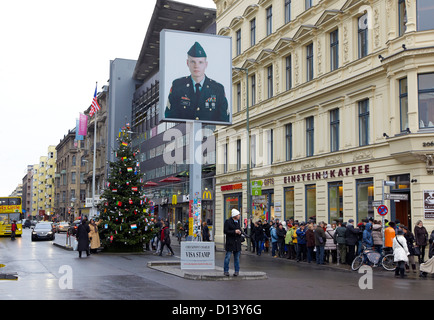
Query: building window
{"points": [[334, 130], [307, 4], [426, 100], [287, 11], [309, 62], [402, 19], [270, 81], [334, 50], [288, 69], [238, 39], [289, 203], [238, 154], [253, 151], [270, 146], [364, 198], [238, 97], [425, 14], [364, 122], [310, 202], [363, 35], [253, 87], [253, 32], [403, 103], [309, 136], [336, 209], [269, 20], [288, 141]]}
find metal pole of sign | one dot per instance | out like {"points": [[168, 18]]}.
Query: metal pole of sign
{"points": [[195, 177], [249, 185], [93, 209]]}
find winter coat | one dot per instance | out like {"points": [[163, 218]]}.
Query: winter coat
{"points": [[310, 238], [377, 237], [274, 236], [233, 240], [340, 235], [351, 235], [281, 233], [259, 233], [320, 234], [367, 240], [95, 242], [165, 235], [409, 237], [83, 237], [330, 242], [400, 249], [301, 236], [389, 235], [421, 236]]}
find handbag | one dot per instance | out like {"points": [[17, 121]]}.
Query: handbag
{"points": [[417, 251], [74, 244]]}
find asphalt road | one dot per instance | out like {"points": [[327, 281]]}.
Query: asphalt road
{"points": [[47, 272]]}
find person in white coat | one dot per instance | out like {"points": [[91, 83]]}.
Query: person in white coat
{"points": [[400, 253]]}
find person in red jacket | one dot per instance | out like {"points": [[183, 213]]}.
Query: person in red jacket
{"points": [[14, 228], [165, 238]]}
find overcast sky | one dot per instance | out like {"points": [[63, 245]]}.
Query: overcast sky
{"points": [[51, 54]]}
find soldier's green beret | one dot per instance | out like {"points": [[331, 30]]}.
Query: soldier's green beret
{"points": [[196, 51]]}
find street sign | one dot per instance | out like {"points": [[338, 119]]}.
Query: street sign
{"points": [[396, 196], [382, 210], [377, 203]]}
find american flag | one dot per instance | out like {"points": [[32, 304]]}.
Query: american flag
{"points": [[95, 106]]}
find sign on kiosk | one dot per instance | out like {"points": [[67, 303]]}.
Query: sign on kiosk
{"points": [[197, 255]]}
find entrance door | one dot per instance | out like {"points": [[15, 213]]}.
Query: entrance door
{"points": [[401, 210]]}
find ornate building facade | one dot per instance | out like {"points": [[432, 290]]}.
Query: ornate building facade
{"points": [[340, 97]]}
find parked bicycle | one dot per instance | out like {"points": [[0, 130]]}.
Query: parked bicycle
{"points": [[374, 259]]}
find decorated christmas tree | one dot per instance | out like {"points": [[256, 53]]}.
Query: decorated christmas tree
{"points": [[126, 222]]}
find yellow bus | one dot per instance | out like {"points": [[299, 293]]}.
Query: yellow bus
{"points": [[10, 210]]}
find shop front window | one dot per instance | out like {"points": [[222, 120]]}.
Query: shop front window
{"points": [[263, 206], [310, 202], [232, 201], [365, 196], [336, 209], [289, 203]]}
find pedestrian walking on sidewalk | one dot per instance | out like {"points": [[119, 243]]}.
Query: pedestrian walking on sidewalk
{"points": [[232, 230], [83, 237], [400, 253], [95, 242], [165, 239]]}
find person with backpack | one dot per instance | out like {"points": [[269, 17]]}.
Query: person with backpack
{"points": [[301, 242]]}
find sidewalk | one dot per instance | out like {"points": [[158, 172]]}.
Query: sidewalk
{"points": [[173, 266]]}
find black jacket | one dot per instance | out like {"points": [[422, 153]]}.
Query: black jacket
{"points": [[351, 235], [83, 237], [233, 240]]}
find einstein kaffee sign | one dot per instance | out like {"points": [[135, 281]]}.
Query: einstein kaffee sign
{"points": [[327, 174]]}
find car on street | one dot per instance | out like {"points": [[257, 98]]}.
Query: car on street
{"points": [[74, 226], [43, 231], [62, 227]]}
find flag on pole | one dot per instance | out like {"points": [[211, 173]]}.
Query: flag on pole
{"points": [[95, 106]]}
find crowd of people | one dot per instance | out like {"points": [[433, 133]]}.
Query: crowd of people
{"points": [[342, 241]]}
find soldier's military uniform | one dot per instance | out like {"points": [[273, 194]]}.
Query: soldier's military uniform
{"points": [[208, 104]]}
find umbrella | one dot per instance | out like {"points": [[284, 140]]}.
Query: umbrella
{"points": [[171, 179], [150, 184]]}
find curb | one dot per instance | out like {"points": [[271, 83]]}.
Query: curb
{"points": [[174, 268]]}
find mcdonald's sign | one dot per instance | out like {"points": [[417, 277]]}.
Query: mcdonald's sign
{"points": [[207, 195], [174, 199]]}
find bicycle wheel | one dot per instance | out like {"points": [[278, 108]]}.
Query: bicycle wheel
{"points": [[388, 263], [357, 263]]}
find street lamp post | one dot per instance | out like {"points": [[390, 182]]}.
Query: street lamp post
{"points": [[249, 185]]}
